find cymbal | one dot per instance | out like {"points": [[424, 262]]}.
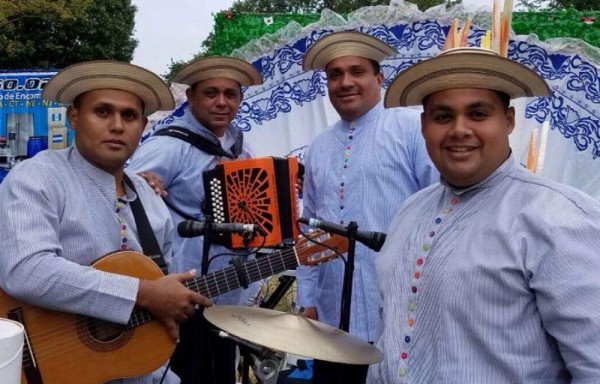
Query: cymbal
{"points": [[293, 334]]}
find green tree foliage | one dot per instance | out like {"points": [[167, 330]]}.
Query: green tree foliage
{"points": [[11, 10], [580, 5], [295, 7], [103, 30], [316, 6], [276, 6]]}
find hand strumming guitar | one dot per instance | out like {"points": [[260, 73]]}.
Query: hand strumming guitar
{"points": [[169, 300]]}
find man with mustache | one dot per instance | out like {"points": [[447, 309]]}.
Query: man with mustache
{"points": [[64, 209], [214, 96], [360, 169]]}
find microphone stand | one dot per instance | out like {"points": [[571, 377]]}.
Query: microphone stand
{"points": [[206, 243], [347, 288], [200, 345], [348, 276]]}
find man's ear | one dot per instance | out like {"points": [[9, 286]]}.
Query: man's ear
{"points": [[189, 93], [379, 77], [72, 115], [510, 120]]}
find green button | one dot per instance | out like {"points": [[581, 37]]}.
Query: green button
{"points": [[402, 372], [411, 306], [426, 247]]}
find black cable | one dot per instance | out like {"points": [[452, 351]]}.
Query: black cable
{"points": [[165, 373]]}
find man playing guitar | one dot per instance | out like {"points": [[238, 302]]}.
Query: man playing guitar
{"points": [[64, 209]]}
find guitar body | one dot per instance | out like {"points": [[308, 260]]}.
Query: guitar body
{"points": [[70, 348]]}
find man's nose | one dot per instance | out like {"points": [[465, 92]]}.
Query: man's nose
{"points": [[117, 123], [220, 99], [462, 127], [347, 80]]}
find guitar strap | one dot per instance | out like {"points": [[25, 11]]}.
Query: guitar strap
{"points": [[148, 240]]}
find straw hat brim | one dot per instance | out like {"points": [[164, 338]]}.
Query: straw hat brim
{"points": [[341, 44], [464, 68], [76, 79], [212, 67]]}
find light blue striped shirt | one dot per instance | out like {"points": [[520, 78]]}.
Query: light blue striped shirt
{"points": [[58, 204], [497, 283], [360, 171], [181, 165]]}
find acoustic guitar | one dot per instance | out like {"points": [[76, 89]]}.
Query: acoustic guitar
{"points": [[65, 348]]}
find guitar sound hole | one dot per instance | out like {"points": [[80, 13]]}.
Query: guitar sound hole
{"points": [[102, 336], [103, 330]]}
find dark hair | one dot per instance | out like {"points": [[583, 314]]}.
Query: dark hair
{"points": [[77, 100], [376, 66], [504, 98]]}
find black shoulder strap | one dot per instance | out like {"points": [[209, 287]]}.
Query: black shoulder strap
{"points": [[203, 143], [148, 240]]}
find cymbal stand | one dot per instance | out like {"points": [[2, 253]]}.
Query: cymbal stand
{"points": [[266, 368], [266, 362]]}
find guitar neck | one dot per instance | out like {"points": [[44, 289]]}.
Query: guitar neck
{"points": [[225, 280]]}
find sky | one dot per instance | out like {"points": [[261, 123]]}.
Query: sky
{"points": [[175, 29]]}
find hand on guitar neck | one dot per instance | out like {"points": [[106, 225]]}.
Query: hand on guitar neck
{"points": [[169, 300]]}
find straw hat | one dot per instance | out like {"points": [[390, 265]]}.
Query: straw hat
{"points": [[212, 67], [76, 79], [349, 43], [467, 67]]}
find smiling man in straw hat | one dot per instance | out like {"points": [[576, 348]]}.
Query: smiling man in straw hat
{"points": [[490, 276], [360, 169], [63, 209], [214, 96]]}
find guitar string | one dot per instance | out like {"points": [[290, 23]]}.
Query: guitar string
{"points": [[211, 283], [230, 276], [232, 273], [70, 339]]}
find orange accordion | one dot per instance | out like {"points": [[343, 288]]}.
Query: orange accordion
{"points": [[254, 191]]}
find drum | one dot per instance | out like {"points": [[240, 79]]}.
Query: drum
{"points": [[36, 144]]}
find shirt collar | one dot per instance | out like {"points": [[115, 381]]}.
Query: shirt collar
{"points": [[189, 121], [102, 179], [505, 169], [365, 119]]}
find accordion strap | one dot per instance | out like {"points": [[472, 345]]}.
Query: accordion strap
{"points": [[203, 143]]}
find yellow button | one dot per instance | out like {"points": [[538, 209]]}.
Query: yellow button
{"points": [[402, 372]]}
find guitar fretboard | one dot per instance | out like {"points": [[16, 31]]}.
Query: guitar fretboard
{"points": [[225, 280]]}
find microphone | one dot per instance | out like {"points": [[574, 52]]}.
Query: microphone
{"points": [[373, 240], [193, 228]]}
